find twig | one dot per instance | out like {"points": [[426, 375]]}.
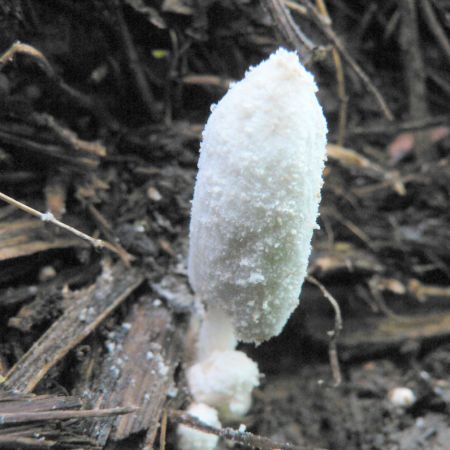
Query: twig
{"points": [[75, 162], [49, 217], [19, 417], [163, 432], [83, 100], [241, 437], [19, 47], [331, 35], [56, 194], [423, 291], [290, 31], [68, 136], [414, 72], [441, 81], [207, 80], [134, 63], [350, 158], [389, 128], [296, 7], [343, 99], [374, 288], [107, 231], [333, 334], [435, 26]]}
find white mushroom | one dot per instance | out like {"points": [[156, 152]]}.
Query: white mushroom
{"points": [[255, 206]]}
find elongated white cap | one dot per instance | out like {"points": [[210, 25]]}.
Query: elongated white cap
{"points": [[257, 195]]}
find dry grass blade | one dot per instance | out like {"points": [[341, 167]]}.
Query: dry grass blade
{"points": [[241, 437], [48, 217], [27, 237], [350, 158], [19, 47]]}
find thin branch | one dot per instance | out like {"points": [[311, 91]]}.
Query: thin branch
{"points": [[19, 417], [68, 136], [241, 437], [135, 66], [290, 31], [49, 217], [389, 128], [328, 31], [435, 26], [333, 334], [82, 99], [19, 47], [343, 99], [296, 7]]}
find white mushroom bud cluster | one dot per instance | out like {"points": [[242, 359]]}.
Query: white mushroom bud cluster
{"points": [[225, 380]]}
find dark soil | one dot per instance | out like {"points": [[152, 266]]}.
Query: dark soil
{"points": [[102, 107]]}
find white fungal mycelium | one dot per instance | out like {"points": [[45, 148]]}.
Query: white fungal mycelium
{"points": [[257, 195], [191, 439], [254, 210]]}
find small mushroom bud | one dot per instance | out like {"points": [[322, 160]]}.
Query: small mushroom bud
{"points": [[191, 439]]}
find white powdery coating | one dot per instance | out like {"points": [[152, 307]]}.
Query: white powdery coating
{"points": [[225, 380], [191, 439], [257, 195]]}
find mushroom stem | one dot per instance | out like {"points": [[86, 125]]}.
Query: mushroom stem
{"points": [[216, 333]]}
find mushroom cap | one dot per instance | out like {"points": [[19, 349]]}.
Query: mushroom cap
{"points": [[256, 196]]}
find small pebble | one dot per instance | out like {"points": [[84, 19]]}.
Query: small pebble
{"points": [[402, 397], [154, 194], [47, 273]]}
